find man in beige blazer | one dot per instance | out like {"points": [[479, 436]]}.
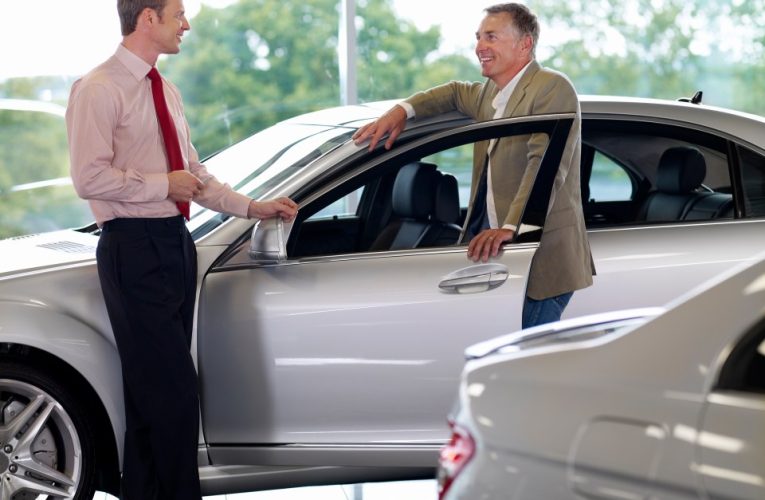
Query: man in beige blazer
{"points": [[516, 86]]}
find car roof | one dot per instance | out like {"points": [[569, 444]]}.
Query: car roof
{"points": [[744, 126]]}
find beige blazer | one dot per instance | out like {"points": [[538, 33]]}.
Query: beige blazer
{"points": [[563, 262]]}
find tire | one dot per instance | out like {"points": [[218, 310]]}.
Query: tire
{"points": [[47, 444]]}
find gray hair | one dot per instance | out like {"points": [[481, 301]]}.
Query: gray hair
{"points": [[523, 20]]}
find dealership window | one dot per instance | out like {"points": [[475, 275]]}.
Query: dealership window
{"points": [[248, 64]]}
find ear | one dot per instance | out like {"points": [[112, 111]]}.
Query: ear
{"points": [[146, 19], [527, 43]]}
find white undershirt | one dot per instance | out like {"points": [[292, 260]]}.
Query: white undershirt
{"points": [[499, 103]]}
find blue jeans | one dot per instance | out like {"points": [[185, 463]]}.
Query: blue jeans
{"points": [[539, 312]]}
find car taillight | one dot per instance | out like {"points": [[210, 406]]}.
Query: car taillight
{"points": [[454, 455]]}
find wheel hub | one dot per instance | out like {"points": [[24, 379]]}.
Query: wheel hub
{"points": [[29, 415]]}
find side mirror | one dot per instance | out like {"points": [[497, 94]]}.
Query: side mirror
{"points": [[268, 243]]}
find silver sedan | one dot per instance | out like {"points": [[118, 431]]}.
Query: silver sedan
{"points": [[634, 404], [328, 348]]}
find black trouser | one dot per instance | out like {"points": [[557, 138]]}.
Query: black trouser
{"points": [[148, 269]]}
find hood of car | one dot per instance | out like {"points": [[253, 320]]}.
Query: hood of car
{"points": [[40, 251], [564, 331]]}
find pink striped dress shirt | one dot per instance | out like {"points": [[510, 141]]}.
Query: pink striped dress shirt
{"points": [[118, 160]]}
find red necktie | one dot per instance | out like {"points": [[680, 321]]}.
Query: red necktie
{"points": [[169, 133]]}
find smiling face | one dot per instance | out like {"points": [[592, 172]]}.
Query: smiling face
{"points": [[169, 27], [502, 52]]}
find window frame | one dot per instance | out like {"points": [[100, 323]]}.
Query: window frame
{"points": [[361, 168], [706, 139]]}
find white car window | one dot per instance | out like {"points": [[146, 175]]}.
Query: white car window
{"points": [[415, 198], [753, 173], [459, 163], [744, 368], [756, 369], [344, 207], [647, 173], [609, 181]]}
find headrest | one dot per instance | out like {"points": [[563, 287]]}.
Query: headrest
{"points": [[447, 203], [413, 190], [681, 170]]}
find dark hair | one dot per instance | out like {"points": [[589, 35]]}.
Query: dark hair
{"points": [[129, 10], [523, 19]]}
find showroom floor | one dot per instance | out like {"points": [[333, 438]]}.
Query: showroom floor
{"points": [[405, 490]]}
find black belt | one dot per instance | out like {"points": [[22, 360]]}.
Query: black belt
{"points": [[146, 225]]}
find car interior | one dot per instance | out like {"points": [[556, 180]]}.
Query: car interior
{"points": [[425, 209], [415, 205], [642, 173], [679, 193], [632, 173]]}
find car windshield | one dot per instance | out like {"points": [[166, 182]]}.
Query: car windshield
{"points": [[258, 164]]}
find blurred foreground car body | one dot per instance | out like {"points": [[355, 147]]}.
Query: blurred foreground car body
{"points": [[627, 405], [328, 348]]}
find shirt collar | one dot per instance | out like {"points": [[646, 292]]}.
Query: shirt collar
{"points": [[134, 64], [500, 100]]}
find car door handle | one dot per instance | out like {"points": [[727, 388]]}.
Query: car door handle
{"points": [[473, 279]]}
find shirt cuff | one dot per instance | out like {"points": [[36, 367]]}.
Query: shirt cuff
{"points": [[527, 228], [237, 205], [408, 108]]}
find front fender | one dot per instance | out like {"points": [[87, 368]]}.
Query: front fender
{"points": [[78, 345]]}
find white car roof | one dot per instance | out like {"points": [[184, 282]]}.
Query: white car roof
{"points": [[743, 126], [746, 127]]}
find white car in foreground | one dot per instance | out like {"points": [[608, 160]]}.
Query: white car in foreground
{"points": [[624, 406]]}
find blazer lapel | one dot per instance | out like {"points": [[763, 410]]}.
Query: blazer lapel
{"points": [[519, 94], [520, 91]]}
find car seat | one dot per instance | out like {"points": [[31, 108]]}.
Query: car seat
{"points": [[425, 207], [680, 173]]}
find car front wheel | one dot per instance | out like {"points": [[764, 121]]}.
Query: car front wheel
{"points": [[47, 448]]}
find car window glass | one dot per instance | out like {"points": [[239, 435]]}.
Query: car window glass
{"points": [[753, 174], [345, 206], [459, 163], [609, 181], [412, 200], [642, 173], [755, 376], [744, 369], [264, 160]]}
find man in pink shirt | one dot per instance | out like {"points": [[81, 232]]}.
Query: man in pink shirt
{"points": [[146, 257]]}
